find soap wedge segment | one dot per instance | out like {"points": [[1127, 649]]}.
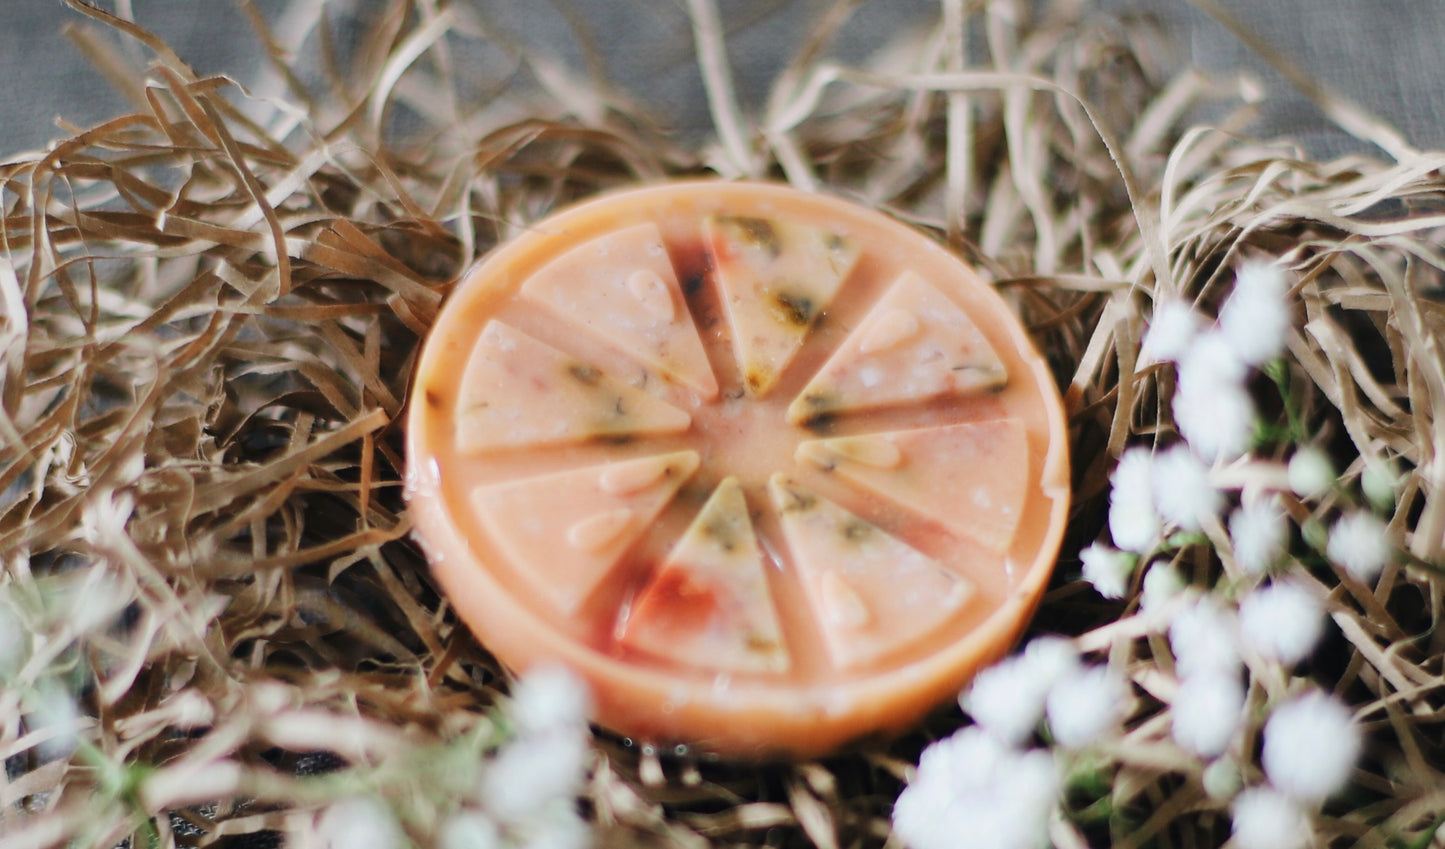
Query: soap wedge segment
{"points": [[914, 346], [518, 391], [971, 478], [872, 595], [777, 278], [709, 605], [566, 531], [622, 289]]}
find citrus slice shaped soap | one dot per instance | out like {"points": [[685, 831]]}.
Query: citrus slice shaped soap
{"points": [[774, 473]]}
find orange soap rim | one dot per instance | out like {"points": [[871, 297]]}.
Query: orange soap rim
{"points": [[755, 720]]}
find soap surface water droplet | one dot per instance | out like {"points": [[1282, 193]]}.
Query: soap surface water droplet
{"points": [[651, 293], [630, 478], [596, 532]]}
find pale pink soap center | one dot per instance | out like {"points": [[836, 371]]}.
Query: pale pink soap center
{"points": [[745, 437]]}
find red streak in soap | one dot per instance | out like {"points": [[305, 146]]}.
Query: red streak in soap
{"points": [[674, 604], [693, 266]]}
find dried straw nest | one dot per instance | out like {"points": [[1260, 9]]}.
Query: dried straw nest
{"points": [[209, 310]]}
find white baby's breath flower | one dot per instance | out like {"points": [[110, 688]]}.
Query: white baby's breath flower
{"points": [[359, 822], [1221, 778], [1267, 819], [1311, 474], [1182, 489], [1211, 362], [469, 830], [190, 709], [1217, 420], [1133, 521], [1172, 329], [1049, 658], [1162, 585], [1360, 544], [1004, 701], [549, 698], [1007, 699], [533, 773], [1310, 745], [1085, 705], [1256, 317], [1204, 635], [1212, 407], [1259, 533], [1207, 710], [1283, 621], [90, 604], [54, 711], [1107, 569], [973, 787], [1378, 482], [14, 640], [560, 829]]}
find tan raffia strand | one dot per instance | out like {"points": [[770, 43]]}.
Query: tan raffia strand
{"points": [[209, 311]]}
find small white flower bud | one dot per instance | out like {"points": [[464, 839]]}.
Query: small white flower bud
{"points": [[1133, 521], [1086, 705], [1267, 819], [972, 783], [190, 709], [1206, 711], [1311, 474], [1182, 489], [1256, 318], [54, 710], [1162, 584], [1211, 362], [15, 641], [1378, 482], [549, 698], [1360, 544], [1205, 636], [359, 822], [1221, 778], [1172, 329], [1007, 699], [530, 773], [1218, 421], [1282, 621], [1108, 570], [470, 830], [1259, 533], [1310, 746]]}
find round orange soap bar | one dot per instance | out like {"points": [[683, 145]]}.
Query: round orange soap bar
{"points": [[771, 471]]}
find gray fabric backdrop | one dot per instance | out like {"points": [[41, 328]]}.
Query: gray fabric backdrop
{"points": [[1386, 54]]}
